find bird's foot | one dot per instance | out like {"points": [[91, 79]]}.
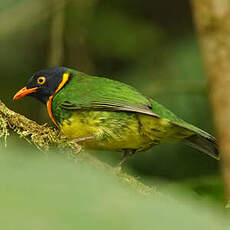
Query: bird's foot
{"points": [[82, 139], [117, 169]]}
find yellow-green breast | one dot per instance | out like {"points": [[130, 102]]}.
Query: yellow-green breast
{"points": [[118, 130]]}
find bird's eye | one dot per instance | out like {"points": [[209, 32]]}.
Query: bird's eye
{"points": [[41, 80]]}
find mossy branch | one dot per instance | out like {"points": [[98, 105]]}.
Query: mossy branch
{"points": [[43, 137]]}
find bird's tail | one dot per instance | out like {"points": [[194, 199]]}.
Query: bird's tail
{"points": [[206, 144]]}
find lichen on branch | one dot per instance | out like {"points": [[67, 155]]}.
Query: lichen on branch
{"points": [[41, 135]]}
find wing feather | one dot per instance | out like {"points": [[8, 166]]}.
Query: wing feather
{"points": [[108, 107]]}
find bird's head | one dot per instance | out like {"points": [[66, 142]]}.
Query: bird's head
{"points": [[44, 83]]}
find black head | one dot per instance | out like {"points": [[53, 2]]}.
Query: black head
{"points": [[43, 84]]}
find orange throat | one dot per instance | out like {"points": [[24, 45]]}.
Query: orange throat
{"points": [[65, 79]]}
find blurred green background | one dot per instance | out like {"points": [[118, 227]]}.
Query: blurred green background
{"points": [[150, 45], [52, 193]]}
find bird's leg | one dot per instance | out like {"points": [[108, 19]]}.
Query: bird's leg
{"points": [[126, 154], [83, 139], [123, 158]]}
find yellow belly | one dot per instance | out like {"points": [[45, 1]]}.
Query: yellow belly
{"points": [[121, 130], [112, 130]]}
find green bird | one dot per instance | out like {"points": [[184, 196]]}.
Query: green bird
{"points": [[101, 113]]}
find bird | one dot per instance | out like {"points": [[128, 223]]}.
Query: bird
{"points": [[101, 113]]}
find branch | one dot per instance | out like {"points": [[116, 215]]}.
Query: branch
{"points": [[44, 137]]}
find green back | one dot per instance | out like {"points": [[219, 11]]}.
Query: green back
{"points": [[84, 89], [89, 92]]}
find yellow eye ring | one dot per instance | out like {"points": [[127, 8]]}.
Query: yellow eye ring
{"points": [[41, 80]]}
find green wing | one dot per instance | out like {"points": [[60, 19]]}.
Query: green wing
{"points": [[88, 92]]}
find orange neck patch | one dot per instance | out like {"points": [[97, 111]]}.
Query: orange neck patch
{"points": [[65, 79]]}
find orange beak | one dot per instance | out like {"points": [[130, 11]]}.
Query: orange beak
{"points": [[24, 92]]}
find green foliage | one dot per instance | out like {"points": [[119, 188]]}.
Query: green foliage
{"points": [[121, 36], [51, 192]]}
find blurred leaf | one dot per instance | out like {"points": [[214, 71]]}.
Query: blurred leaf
{"points": [[227, 205], [51, 192]]}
